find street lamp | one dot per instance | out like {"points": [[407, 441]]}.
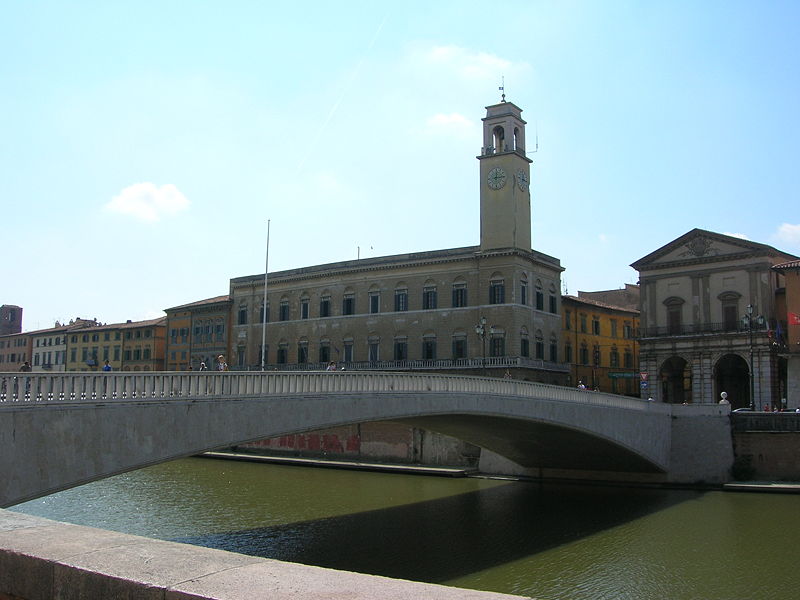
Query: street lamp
{"points": [[750, 323], [480, 329]]}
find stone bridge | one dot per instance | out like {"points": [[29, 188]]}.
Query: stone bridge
{"points": [[62, 430]]}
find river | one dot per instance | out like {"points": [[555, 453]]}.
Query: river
{"points": [[551, 542]]}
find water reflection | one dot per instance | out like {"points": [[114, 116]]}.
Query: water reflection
{"points": [[553, 542], [446, 538]]}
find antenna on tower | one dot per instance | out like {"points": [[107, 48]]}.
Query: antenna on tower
{"points": [[502, 87], [536, 148]]}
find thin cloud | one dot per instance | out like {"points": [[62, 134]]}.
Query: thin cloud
{"points": [[148, 202], [455, 123], [788, 234], [469, 65], [741, 236]]}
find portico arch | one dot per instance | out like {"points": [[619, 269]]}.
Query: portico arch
{"points": [[732, 375], [676, 381]]}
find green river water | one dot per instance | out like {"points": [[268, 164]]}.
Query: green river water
{"points": [[550, 542]]}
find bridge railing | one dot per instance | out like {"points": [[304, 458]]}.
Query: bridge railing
{"points": [[36, 388]]}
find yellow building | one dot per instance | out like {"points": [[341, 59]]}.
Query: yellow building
{"points": [[197, 333], [600, 342], [130, 346]]}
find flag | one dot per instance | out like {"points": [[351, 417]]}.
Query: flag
{"points": [[778, 333], [794, 319]]}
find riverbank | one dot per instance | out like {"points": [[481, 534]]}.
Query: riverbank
{"points": [[771, 487]]}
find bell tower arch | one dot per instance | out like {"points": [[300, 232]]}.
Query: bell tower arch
{"points": [[504, 180]]}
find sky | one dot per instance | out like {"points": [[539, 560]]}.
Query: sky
{"points": [[146, 145]]}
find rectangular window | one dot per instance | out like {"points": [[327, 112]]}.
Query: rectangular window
{"points": [[627, 331], [525, 347], [282, 355], [497, 292], [137, 354], [400, 350], [374, 352], [553, 352], [595, 326], [302, 353], [429, 349], [324, 353], [568, 353], [583, 323], [105, 352], [242, 315], [459, 348], [349, 304], [539, 349], [116, 352], [374, 302], [73, 355], [240, 357], [348, 351], [614, 358], [84, 354], [730, 317], [146, 354], [400, 300], [459, 295], [497, 346], [613, 328], [325, 306], [553, 304], [283, 310], [304, 308], [628, 359], [523, 293], [539, 300], [127, 355], [567, 320], [584, 358], [262, 318], [429, 298]]}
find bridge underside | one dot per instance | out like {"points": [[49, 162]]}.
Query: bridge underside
{"points": [[533, 444]]}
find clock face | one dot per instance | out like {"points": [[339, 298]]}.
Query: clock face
{"points": [[497, 178], [522, 180]]}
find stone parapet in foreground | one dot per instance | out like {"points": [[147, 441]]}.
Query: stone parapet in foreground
{"points": [[42, 559]]}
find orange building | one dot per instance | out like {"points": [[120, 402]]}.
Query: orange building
{"points": [[600, 343]]}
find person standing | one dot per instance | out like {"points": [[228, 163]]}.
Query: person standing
{"points": [[26, 367], [106, 366], [221, 364]]}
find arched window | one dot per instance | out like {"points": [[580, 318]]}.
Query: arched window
{"points": [[539, 345], [499, 137]]}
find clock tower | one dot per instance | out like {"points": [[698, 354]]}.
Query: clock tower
{"points": [[504, 180]]}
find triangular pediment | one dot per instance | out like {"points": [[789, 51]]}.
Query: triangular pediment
{"points": [[699, 245]]}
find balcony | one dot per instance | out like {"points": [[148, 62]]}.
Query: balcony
{"points": [[465, 364], [737, 328]]}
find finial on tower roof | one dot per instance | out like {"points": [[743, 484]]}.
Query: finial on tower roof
{"points": [[502, 87]]}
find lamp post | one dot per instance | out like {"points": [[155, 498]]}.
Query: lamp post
{"points": [[749, 322], [480, 329]]}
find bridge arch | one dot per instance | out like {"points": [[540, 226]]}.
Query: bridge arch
{"points": [[59, 431]]}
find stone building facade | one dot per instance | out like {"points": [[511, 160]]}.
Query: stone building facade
{"points": [[708, 320], [484, 308]]}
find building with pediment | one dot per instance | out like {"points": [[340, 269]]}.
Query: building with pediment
{"points": [[712, 321], [476, 310]]}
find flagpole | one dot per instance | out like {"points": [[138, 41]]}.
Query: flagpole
{"points": [[264, 310]]}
